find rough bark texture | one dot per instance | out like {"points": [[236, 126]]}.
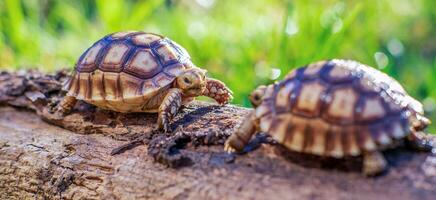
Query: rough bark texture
{"points": [[42, 161]]}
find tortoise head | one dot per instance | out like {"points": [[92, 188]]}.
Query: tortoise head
{"points": [[192, 82], [256, 97]]}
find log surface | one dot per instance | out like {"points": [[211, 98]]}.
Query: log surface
{"points": [[47, 156]]}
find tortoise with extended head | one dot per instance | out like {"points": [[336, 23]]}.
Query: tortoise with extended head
{"points": [[139, 72], [335, 108]]}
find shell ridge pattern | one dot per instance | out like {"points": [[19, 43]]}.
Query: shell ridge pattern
{"points": [[325, 100], [154, 82], [147, 45], [141, 87], [385, 105], [103, 66], [299, 80], [324, 71], [115, 56], [89, 88], [101, 54], [365, 95], [119, 93], [134, 34], [156, 55], [330, 97], [392, 91], [81, 67], [123, 37], [129, 55], [103, 87], [76, 66], [182, 56], [359, 110], [168, 74], [155, 58], [379, 126], [308, 137], [326, 95], [269, 102], [163, 43], [77, 89], [272, 99], [68, 83], [155, 44], [294, 95]]}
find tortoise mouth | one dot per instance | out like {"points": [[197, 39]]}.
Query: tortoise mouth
{"points": [[195, 91]]}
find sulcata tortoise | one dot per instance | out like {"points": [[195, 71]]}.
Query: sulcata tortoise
{"points": [[134, 71], [335, 108]]}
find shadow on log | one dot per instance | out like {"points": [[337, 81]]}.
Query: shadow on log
{"points": [[42, 161]]}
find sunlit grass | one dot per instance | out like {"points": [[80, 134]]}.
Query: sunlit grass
{"points": [[243, 43]]}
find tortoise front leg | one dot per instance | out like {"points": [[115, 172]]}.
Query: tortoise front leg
{"points": [[217, 90], [242, 135], [419, 142], [67, 104], [169, 107], [373, 163]]}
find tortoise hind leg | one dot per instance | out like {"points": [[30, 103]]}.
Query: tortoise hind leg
{"points": [[374, 163], [419, 142], [169, 107], [67, 104]]}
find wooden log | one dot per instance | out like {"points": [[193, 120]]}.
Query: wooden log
{"points": [[47, 156]]}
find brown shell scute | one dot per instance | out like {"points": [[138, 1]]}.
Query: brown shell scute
{"points": [[167, 54], [114, 57], [343, 90], [143, 64], [308, 103], [145, 39], [88, 60], [127, 65], [341, 104], [336, 108]]}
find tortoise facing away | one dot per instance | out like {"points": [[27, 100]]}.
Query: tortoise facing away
{"points": [[335, 108], [139, 72]]}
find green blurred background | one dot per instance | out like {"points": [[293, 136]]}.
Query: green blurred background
{"points": [[243, 43]]}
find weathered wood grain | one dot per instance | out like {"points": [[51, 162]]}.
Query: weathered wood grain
{"points": [[72, 160]]}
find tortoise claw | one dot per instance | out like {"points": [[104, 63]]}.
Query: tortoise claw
{"points": [[224, 99], [374, 163], [163, 124], [228, 148]]}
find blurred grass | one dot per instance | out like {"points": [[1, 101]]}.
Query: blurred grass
{"points": [[243, 43]]}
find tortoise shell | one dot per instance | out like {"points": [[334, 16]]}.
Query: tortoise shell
{"points": [[338, 108], [127, 67]]}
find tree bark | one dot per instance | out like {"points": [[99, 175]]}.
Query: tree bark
{"points": [[47, 156]]}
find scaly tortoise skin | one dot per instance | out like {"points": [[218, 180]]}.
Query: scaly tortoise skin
{"points": [[134, 71], [335, 108]]}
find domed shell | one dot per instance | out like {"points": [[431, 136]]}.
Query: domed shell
{"points": [[337, 108], [127, 66]]}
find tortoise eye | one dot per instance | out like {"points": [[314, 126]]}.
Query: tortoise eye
{"points": [[186, 80]]}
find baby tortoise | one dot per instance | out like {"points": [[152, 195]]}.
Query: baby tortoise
{"points": [[139, 72], [335, 108]]}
